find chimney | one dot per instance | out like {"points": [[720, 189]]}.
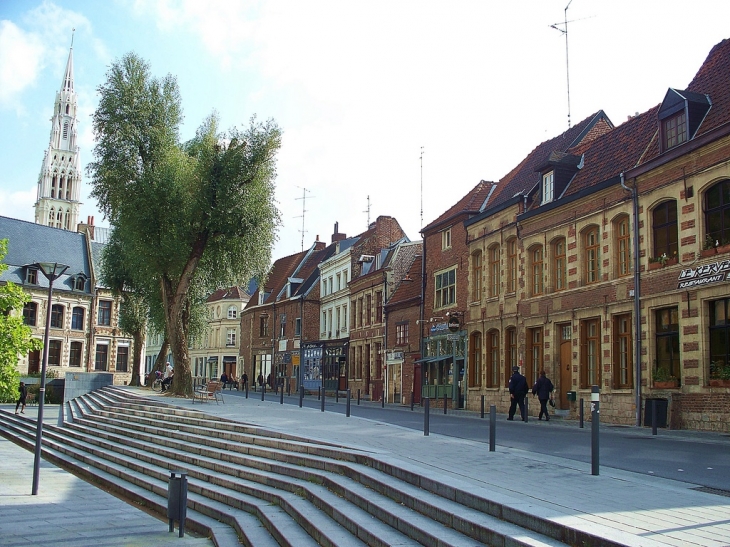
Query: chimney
{"points": [[337, 236]]}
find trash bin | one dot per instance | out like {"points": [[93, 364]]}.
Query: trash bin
{"points": [[572, 396], [662, 405], [177, 500]]}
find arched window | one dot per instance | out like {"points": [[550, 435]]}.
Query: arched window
{"points": [[59, 218], [493, 358], [67, 221], [622, 245], [512, 265], [476, 276], [53, 186], [495, 280], [717, 214], [559, 265], [536, 271], [591, 248], [664, 227], [475, 359], [51, 217], [67, 108]]}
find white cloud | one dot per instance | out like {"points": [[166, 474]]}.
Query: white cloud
{"points": [[21, 58], [18, 203]]}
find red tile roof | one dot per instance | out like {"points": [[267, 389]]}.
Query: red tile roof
{"points": [[470, 204], [408, 290]]}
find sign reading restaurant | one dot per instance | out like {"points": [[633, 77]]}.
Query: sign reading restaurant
{"points": [[708, 274]]}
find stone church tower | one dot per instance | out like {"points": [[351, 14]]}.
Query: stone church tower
{"points": [[60, 177]]}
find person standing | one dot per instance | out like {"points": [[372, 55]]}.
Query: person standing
{"points": [[23, 389], [244, 381], [543, 388], [517, 390]]}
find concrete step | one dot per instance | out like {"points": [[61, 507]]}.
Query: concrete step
{"points": [[423, 527]]}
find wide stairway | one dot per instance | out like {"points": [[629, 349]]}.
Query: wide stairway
{"points": [[250, 486]]}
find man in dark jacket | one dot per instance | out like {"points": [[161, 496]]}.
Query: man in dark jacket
{"points": [[23, 389], [543, 388], [517, 390]]}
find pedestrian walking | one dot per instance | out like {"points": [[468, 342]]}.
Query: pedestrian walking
{"points": [[518, 389], [23, 389], [543, 388], [244, 381]]}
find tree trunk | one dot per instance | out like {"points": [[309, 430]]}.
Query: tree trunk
{"points": [[183, 382], [138, 338], [161, 358]]}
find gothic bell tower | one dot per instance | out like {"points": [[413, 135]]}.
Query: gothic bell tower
{"points": [[60, 177]]}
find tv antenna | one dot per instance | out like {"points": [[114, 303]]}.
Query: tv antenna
{"points": [[564, 32], [304, 210], [368, 212], [421, 187]]}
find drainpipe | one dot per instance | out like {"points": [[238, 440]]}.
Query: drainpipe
{"points": [[637, 303]]}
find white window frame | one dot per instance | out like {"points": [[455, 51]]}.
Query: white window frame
{"points": [[548, 187]]}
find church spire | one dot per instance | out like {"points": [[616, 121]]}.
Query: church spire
{"points": [[59, 181]]}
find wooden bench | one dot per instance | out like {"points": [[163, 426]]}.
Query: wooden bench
{"points": [[211, 390]]}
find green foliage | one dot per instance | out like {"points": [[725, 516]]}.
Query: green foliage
{"points": [[188, 218], [719, 370], [15, 337], [661, 374]]}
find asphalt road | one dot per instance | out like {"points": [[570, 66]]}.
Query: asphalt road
{"points": [[695, 458]]}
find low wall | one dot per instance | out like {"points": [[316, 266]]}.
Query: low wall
{"points": [[701, 411], [81, 383]]}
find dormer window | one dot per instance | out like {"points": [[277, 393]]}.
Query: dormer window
{"points": [[79, 283], [680, 117], [31, 276], [675, 130], [548, 187]]}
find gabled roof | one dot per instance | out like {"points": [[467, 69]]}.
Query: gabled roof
{"points": [[471, 204], [30, 243], [524, 177], [280, 272], [230, 293]]}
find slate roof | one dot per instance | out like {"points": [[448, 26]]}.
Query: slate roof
{"points": [[281, 270], [29, 243], [230, 293]]}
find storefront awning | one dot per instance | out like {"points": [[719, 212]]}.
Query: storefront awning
{"points": [[228, 359], [428, 360]]}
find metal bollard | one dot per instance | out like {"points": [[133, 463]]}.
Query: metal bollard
{"points": [[492, 427], [426, 406], [653, 416], [411, 401], [337, 396], [263, 391], [445, 404], [580, 413], [527, 409], [177, 500], [595, 419], [301, 396], [482, 413], [246, 390], [347, 408], [323, 397], [382, 400], [358, 396], [288, 389], [281, 395], [319, 393]]}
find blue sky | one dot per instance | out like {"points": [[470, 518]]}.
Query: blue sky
{"points": [[357, 87]]}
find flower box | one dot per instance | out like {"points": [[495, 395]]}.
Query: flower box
{"points": [[666, 384], [716, 382]]}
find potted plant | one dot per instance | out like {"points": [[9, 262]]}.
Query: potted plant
{"points": [[719, 374], [662, 260], [710, 245], [663, 379]]}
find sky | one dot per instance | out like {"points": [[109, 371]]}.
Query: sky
{"points": [[387, 107]]}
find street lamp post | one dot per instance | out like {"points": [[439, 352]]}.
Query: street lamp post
{"points": [[52, 271]]}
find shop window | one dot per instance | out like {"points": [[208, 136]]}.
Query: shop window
{"points": [[719, 339]]}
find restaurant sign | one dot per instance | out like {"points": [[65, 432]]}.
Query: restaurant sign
{"points": [[707, 274]]}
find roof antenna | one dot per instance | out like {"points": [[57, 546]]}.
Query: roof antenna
{"points": [[421, 187], [368, 212], [304, 201], [564, 31]]}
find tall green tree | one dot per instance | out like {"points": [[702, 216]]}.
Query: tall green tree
{"points": [[191, 217], [15, 337]]}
